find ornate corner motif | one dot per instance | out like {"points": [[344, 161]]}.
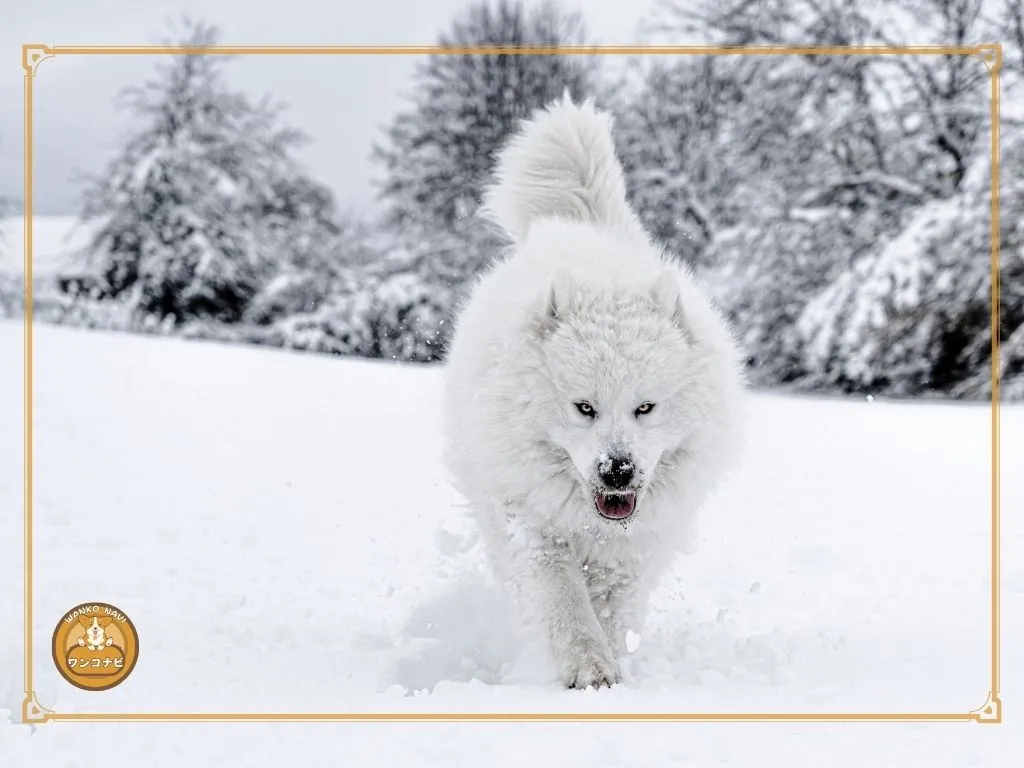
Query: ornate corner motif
{"points": [[991, 711], [33, 712], [32, 55], [991, 55]]}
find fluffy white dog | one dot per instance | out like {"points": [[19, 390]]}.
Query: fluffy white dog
{"points": [[593, 395]]}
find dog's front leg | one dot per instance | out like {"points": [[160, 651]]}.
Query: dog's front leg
{"points": [[620, 604], [554, 595]]}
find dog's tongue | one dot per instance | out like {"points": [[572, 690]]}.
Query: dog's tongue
{"points": [[616, 506]]}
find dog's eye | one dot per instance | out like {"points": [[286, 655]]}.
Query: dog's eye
{"points": [[586, 409], [643, 408]]}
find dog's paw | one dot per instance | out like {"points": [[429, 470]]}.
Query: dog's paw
{"points": [[591, 669], [81, 642]]}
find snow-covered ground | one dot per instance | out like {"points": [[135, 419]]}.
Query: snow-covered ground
{"points": [[280, 530]]}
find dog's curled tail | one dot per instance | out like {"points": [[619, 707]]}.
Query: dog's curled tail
{"points": [[561, 164]]}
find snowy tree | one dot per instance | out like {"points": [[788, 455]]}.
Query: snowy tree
{"points": [[942, 99], [708, 143], [835, 173], [667, 132], [204, 204], [438, 152], [758, 138], [1011, 22], [915, 316], [889, 127]]}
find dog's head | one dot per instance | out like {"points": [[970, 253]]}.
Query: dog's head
{"points": [[95, 628], [617, 362]]}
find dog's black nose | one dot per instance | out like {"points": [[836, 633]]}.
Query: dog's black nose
{"points": [[616, 472]]}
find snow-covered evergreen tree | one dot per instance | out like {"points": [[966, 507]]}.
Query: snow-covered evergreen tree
{"points": [[204, 204], [438, 152]]}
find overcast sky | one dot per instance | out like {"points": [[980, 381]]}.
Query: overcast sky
{"points": [[341, 102]]}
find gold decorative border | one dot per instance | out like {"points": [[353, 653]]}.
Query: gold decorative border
{"points": [[990, 712]]}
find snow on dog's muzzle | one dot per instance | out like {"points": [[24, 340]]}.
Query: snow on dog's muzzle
{"points": [[615, 505]]}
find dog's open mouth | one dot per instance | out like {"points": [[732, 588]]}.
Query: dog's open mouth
{"points": [[616, 505]]}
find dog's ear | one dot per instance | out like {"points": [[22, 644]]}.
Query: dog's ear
{"points": [[556, 301], [559, 293], [105, 621], [85, 621], [666, 295]]}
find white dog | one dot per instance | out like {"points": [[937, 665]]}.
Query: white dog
{"points": [[593, 395]]}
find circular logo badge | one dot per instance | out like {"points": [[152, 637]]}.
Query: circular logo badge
{"points": [[95, 646]]}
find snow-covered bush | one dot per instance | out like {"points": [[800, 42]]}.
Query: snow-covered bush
{"points": [[914, 315], [398, 318], [764, 273], [408, 318]]}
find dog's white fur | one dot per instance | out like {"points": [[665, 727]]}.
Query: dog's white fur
{"points": [[586, 308]]}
